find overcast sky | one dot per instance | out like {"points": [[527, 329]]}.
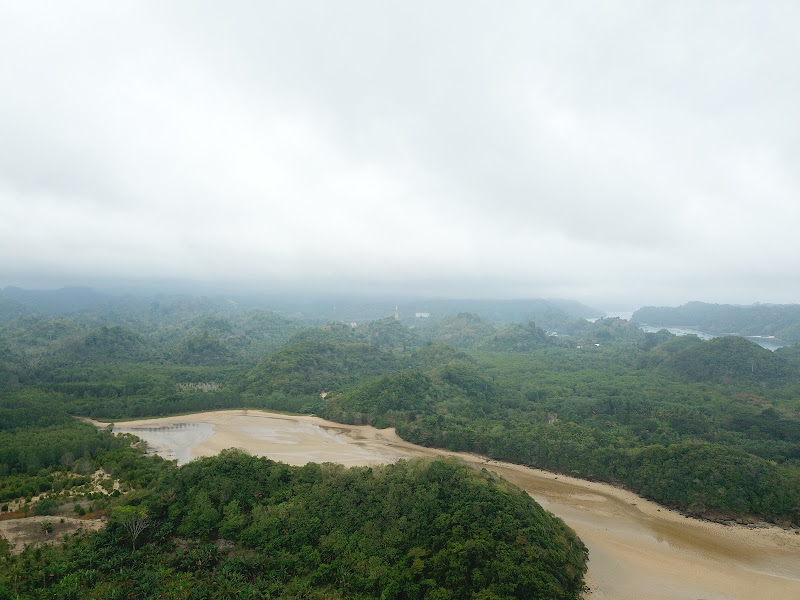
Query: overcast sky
{"points": [[618, 153]]}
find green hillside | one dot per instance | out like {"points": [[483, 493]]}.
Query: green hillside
{"points": [[242, 527], [729, 359], [309, 368], [711, 428], [779, 320]]}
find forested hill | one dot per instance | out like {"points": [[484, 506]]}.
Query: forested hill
{"points": [[708, 427], [779, 320], [311, 310], [601, 399], [729, 359], [235, 526]]}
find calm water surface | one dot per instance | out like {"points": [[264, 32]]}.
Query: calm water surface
{"points": [[173, 441]]}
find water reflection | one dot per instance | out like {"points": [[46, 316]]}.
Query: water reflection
{"points": [[173, 441]]}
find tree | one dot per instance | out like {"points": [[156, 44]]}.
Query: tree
{"points": [[133, 518]]}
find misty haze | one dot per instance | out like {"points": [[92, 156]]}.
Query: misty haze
{"points": [[403, 301]]}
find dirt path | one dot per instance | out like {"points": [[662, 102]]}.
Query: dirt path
{"points": [[638, 550]]}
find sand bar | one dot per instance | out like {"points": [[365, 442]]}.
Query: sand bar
{"points": [[637, 549]]}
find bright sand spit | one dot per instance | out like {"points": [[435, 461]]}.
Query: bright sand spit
{"points": [[637, 549]]}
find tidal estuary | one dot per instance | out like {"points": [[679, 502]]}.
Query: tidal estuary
{"points": [[638, 550]]}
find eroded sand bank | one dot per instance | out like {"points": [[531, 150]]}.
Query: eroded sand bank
{"points": [[637, 549]]}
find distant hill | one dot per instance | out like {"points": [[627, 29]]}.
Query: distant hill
{"points": [[612, 331], [390, 334], [309, 368], [513, 311], [779, 320], [398, 393], [386, 333], [258, 332], [145, 311], [464, 330], [37, 336], [108, 345], [790, 353], [431, 356], [468, 381], [205, 349], [517, 338], [332, 333], [726, 360], [10, 366], [52, 302], [220, 339], [403, 395]]}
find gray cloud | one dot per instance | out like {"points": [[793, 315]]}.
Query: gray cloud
{"points": [[606, 151]]}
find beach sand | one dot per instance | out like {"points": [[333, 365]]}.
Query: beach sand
{"points": [[638, 550]]}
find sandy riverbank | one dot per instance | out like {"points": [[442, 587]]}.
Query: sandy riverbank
{"points": [[638, 550]]}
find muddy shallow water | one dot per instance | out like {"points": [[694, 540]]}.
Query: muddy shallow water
{"points": [[637, 549]]}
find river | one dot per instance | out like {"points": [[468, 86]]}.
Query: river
{"points": [[637, 549]]}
